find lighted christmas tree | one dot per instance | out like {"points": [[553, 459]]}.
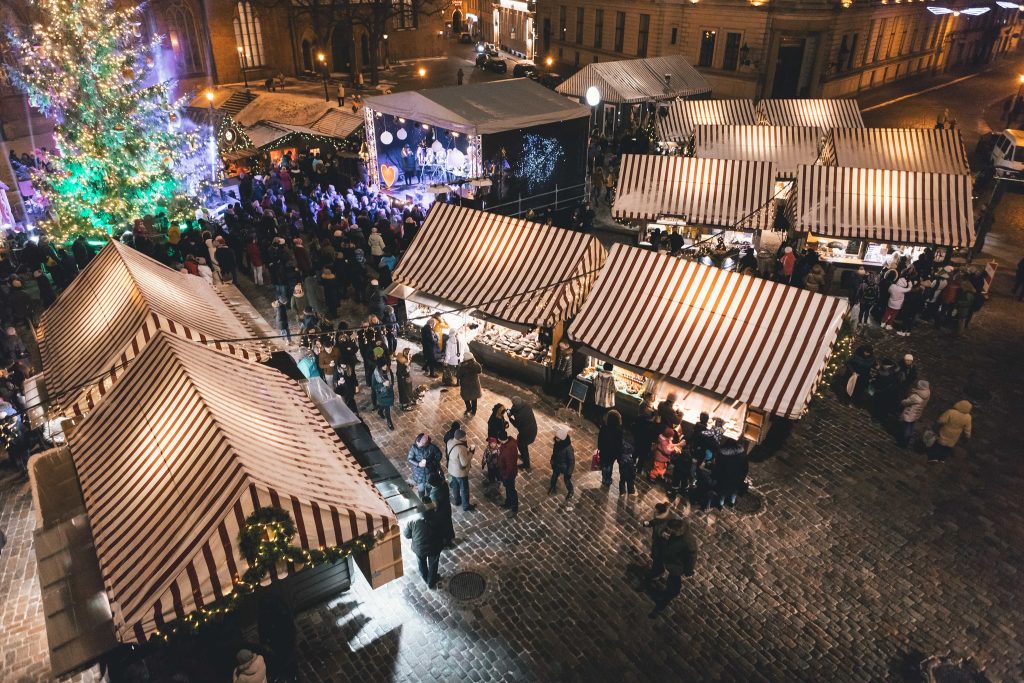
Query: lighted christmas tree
{"points": [[122, 152]]}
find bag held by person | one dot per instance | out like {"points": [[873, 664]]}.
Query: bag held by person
{"points": [[595, 461]]}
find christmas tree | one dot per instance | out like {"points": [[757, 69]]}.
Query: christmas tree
{"points": [[121, 150]]}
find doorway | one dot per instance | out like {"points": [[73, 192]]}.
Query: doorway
{"points": [[341, 49], [457, 22], [786, 83], [307, 56], [364, 43]]}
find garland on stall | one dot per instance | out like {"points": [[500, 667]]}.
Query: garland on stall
{"points": [[836, 364], [265, 542]]}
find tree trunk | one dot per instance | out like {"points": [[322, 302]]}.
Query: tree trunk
{"points": [[373, 38]]}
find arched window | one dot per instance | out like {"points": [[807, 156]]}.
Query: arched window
{"points": [[183, 33], [307, 55], [248, 36]]}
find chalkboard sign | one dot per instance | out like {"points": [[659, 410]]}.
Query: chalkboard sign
{"points": [[579, 390]]}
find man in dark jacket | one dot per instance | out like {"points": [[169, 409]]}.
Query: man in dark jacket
{"points": [[427, 542], [425, 459], [563, 461], [430, 347], [729, 471], [440, 494], [522, 418], [679, 557], [508, 469]]}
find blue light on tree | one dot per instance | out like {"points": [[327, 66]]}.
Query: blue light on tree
{"points": [[539, 159]]}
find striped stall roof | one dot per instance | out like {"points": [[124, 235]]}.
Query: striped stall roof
{"points": [[824, 114], [713, 192], [683, 115], [188, 443], [483, 260], [901, 149], [745, 338], [630, 81], [111, 311], [884, 205], [787, 146]]}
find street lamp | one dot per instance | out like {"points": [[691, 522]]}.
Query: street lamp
{"points": [[209, 98], [387, 53], [422, 72], [323, 72], [549, 61], [241, 57]]}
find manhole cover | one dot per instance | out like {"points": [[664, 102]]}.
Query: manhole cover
{"points": [[467, 585], [750, 503]]}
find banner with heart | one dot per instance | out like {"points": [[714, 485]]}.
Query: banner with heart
{"points": [[389, 174]]}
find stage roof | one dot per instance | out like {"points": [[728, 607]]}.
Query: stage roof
{"points": [[482, 108]]}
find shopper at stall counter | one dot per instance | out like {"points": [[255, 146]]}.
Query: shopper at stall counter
{"points": [[468, 376], [525, 422], [604, 387], [563, 461], [609, 445]]}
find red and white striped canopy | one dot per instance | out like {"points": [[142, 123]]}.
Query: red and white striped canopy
{"points": [[111, 311], [901, 149], [188, 443], [741, 337], [511, 269], [722, 193], [825, 113], [883, 205], [684, 115], [787, 146]]}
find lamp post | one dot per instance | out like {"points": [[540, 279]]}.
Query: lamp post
{"points": [[213, 143], [241, 58], [387, 53], [323, 72]]}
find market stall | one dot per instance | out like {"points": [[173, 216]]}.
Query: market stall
{"points": [[927, 150], [503, 285], [863, 217], [628, 90], [737, 347], [675, 128], [825, 114], [786, 146], [730, 199], [172, 478], [112, 310], [510, 145]]}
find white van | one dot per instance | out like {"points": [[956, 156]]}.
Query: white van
{"points": [[1008, 153]]}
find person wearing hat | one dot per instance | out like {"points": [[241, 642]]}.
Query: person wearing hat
{"points": [[424, 458], [383, 383], [508, 468], [440, 494], [563, 461], [913, 407], [604, 387], [427, 541], [460, 463], [787, 262], [376, 244], [332, 297], [679, 557], [250, 668], [522, 418], [468, 376], [403, 374], [225, 258], [907, 371], [431, 343], [22, 306]]}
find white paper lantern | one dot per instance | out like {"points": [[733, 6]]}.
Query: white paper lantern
{"points": [[386, 138], [402, 134]]}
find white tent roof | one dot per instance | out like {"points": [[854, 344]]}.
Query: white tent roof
{"points": [[628, 81], [481, 108]]}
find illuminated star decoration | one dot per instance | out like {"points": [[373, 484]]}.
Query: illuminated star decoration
{"points": [[122, 151], [539, 160]]}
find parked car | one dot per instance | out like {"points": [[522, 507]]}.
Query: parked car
{"points": [[1008, 153], [487, 49], [524, 70], [549, 80], [498, 66], [466, 38]]}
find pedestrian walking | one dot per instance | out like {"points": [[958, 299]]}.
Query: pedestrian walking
{"points": [[508, 456], [468, 376], [280, 307], [441, 495], [460, 463], [913, 406], [460, 76], [563, 461], [427, 542], [609, 445], [656, 524], [424, 458], [341, 94], [383, 382], [678, 557], [525, 422], [953, 424], [965, 301], [496, 423], [250, 668]]}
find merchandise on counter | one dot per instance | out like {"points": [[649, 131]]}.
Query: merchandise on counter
{"points": [[513, 343]]}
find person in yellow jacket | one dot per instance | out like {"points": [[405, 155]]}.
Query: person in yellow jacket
{"points": [[952, 424]]}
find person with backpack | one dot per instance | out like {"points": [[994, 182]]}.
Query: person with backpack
{"points": [[609, 445], [867, 296], [563, 461], [627, 470]]}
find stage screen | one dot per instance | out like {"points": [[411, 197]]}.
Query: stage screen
{"points": [[531, 162], [411, 153]]}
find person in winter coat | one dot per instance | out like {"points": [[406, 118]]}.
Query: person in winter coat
{"points": [[424, 458], [489, 462], [665, 448], [913, 406], [965, 300], [815, 280], [859, 368], [645, 433], [953, 424], [440, 495], [376, 244], [404, 376], [453, 353], [256, 261], [299, 301], [867, 296], [886, 387], [522, 418], [853, 285], [496, 423], [431, 347], [250, 669], [897, 293], [346, 384], [468, 375], [280, 307], [667, 414], [679, 557], [907, 370], [427, 542], [627, 469], [460, 463], [563, 461], [45, 287], [383, 383], [609, 445], [508, 456], [604, 387], [23, 308], [729, 471], [786, 264]]}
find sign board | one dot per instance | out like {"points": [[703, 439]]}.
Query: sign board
{"points": [[579, 390]]}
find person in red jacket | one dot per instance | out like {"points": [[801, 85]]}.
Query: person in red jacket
{"points": [[256, 260], [508, 468], [787, 261]]}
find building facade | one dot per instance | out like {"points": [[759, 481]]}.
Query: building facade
{"points": [[779, 48]]}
